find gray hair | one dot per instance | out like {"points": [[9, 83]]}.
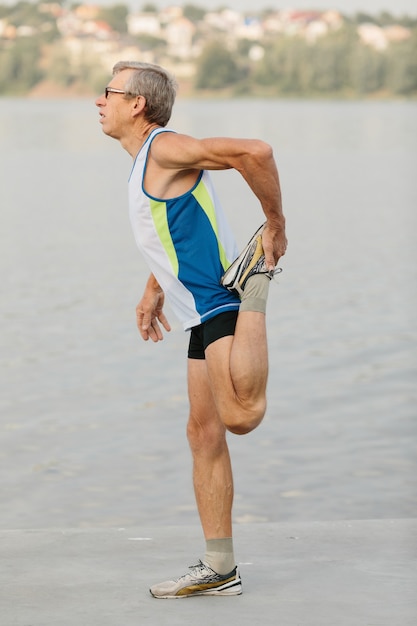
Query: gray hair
{"points": [[155, 84]]}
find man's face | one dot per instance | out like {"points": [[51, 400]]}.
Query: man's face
{"points": [[114, 108]]}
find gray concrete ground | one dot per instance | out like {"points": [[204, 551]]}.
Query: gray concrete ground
{"points": [[359, 573]]}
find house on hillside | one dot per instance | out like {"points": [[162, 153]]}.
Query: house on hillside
{"points": [[144, 24], [179, 34]]}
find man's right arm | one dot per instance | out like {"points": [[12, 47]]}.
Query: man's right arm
{"points": [[149, 312]]}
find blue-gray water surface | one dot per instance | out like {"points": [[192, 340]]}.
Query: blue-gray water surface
{"points": [[92, 424]]}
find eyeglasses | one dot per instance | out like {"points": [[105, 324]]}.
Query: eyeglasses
{"points": [[112, 90]]}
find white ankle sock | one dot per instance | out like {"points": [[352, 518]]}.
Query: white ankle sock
{"points": [[255, 294], [219, 555]]}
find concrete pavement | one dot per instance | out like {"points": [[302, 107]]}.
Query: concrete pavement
{"points": [[348, 573]]}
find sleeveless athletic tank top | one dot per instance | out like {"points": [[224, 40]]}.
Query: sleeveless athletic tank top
{"points": [[186, 242]]}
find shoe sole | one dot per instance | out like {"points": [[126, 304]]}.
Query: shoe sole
{"points": [[235, 590]]}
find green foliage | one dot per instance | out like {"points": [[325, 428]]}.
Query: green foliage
{"points": [[59, 70], [336, 64], [19, 66], [367, 70], [283, 66], [329, 62], [28, 13], [243, 47], [150, 42], [116, 17], [385, 19], [216, 67], [88, 72], [401, 68], [365, 18], [149, 8], [193, 13]]}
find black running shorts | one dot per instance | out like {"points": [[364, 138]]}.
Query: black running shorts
{"points": [[203, 335]]}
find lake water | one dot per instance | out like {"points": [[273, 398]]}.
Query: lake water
{"points": [[92, 424]]}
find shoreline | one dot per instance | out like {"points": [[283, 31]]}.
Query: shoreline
{"points": [[47, 90]]}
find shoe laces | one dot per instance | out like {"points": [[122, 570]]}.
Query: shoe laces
{"points": [[195, 570], [274, 272], [261, 265], [199, 568]]}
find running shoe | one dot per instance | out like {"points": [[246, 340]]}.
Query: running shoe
{"points": [[249, 262], [201, 580]]}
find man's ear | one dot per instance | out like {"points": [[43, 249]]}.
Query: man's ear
{"points": [[139, 105]]}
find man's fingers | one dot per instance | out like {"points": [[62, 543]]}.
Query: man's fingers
{"points": [[153, 331], [148, 326], [269, 256], [274, 248], [164, 321]]}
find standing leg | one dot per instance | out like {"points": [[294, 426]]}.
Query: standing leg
{"points": [[212, 472], [213, 485], [226, 391]]}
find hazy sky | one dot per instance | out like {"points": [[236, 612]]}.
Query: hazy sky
{"points": [[396, 7]]}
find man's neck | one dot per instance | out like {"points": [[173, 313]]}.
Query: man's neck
{"points": [[134, 142]]}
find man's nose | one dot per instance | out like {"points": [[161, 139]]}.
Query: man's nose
{"points": [[101, 100]]}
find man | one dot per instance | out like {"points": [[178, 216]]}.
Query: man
{"points": [[183, 234]]}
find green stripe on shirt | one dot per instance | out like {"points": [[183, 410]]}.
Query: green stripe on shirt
{"points": [[202, 196], [160, 219]]}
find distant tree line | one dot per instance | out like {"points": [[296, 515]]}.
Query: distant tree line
{"points": [[337, 64]]}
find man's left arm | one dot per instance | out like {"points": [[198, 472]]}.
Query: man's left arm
{"points": [[252, 158], [259, 170]]}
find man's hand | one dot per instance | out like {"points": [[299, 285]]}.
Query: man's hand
{"points": [[149, 312], [274, 243]]}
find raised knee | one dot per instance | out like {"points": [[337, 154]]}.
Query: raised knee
{"points": [[245, 421], [242, 428]]}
